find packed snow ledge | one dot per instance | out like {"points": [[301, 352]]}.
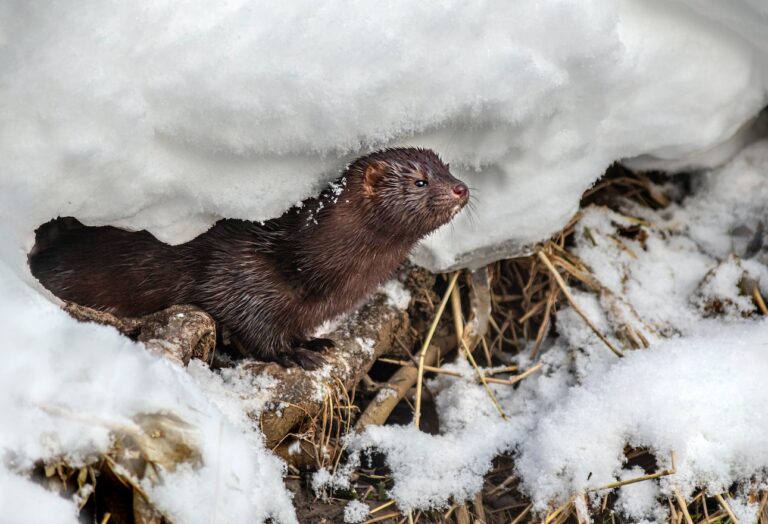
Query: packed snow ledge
{"points": [[175, 117]]}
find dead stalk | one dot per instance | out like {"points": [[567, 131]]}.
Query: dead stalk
{"points": [[522, 515], [425, 346], [663, 473], [572, 302], [552, 516], [531, 370], [386, 516], [683, 506], [759, 300], [479, 509], [491, 380], [381, 507], [726, 508], [457, 318]]}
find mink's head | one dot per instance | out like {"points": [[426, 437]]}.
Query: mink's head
{"points": [[409, 192]]}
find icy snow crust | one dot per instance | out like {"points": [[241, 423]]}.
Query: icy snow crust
{"points": [[150, 115]]}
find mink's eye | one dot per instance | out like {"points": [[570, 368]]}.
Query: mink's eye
{"points": [[420, 183]]}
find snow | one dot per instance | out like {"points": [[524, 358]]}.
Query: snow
{"points": [[743, 510], [148, 115], [151, 115], [48, 507], [397, 295], [690, 395], [365, 344], [692, 392], [355, 511], [638, 501], [64, 399]]}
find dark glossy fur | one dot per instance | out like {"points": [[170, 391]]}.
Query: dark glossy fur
{"points": [[269, 284]]}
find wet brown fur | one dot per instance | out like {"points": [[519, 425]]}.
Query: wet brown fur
{"points": [[270, 284]]}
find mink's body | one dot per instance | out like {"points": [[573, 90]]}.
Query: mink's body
{"points": [[269, 284]]}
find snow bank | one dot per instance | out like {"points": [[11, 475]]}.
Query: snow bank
{"points": [[151, 115], [65, 386], [694, 392]]}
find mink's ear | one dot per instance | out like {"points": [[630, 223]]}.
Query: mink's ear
{"points": [[372, 174]]}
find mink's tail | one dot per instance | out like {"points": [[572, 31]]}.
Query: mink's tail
{"points": [[106, 268]]}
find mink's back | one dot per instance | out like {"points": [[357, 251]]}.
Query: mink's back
{"points": [[110, 269]]}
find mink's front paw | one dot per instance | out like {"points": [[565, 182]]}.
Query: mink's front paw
{"points": [[304, 358]]}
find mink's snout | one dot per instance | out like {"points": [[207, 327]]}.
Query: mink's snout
{"points": [[461, 190]]}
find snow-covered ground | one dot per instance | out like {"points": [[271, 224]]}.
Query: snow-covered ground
{"points": [[168, 116], [697, 391]]}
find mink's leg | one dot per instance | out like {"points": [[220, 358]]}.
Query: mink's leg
{"points": [[301, 357], [317, 344], [282, 347]]}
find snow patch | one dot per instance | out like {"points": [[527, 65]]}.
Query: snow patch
{"points": [[355, 511], [397, 295]]}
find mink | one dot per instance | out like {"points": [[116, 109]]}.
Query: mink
{"points": [[269, 284]]}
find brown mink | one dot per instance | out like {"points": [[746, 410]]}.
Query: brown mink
{"points": [[269, 284]]}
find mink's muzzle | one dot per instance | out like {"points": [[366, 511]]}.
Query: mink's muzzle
{"points": [[461, 191]]}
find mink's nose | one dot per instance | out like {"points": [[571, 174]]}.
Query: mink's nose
{"points": [[461, 190]]}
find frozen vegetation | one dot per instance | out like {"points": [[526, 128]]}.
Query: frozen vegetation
{"points": [[167, 117]]}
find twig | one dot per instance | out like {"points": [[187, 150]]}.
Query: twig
{"points": [[458, 323], [521, 376], [572, 302], [717, 516], [520, 517], [425, 346], [385, 516], [683, 506], [532, 311], [544, 327], [381, 507], [492, 380], [432, 369], [675, 517], [462, 514], [479, 509], [487, 353], [727, 508], [506, 482], [759, 300], [484, 380], [458, 317], [396, 388], [505, 369], [581, 505], [663, 473], [551, 517]]}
